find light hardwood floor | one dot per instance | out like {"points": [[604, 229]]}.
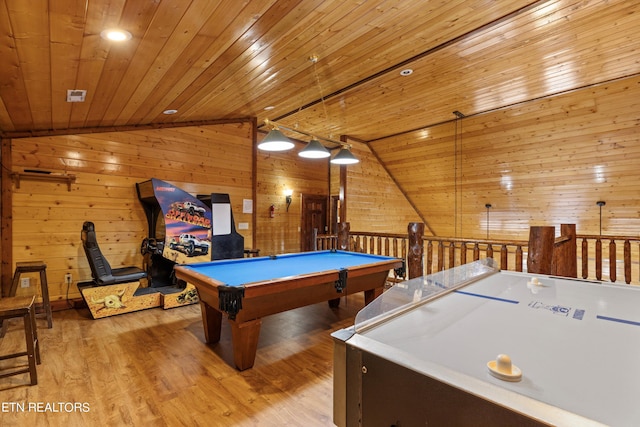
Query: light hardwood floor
{"points": [[153, 368]]}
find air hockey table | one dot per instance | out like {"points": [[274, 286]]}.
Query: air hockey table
{"points": [[425, 353]]}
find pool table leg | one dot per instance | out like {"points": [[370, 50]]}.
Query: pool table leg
{"points": [[244, 337], [372, 294], [212, 322], [369, 296]]}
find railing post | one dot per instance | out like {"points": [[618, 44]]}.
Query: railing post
{"points": [[343, 236], [564, 253], [519, 258], [416, 249], [429, 257], [541, 242]]}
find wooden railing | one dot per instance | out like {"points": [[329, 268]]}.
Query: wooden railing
{"points": [[623, 258], [439, 252], [622, 252]]}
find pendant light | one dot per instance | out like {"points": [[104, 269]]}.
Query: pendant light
{"points": [[344, 157], [314, 150], [275, 141]]}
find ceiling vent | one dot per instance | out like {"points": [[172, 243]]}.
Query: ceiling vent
{"points": [[76, 95]]}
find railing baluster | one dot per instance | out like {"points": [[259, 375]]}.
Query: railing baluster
{"points": [[404, 248], [627, 261], [612, 261], [585, 258], [463, 253], [519, 258], [452, 254], [598, 259], [503, 258], [447, 252], [440, 256]]}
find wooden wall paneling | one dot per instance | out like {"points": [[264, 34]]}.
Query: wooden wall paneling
{"points": [[277, 171], [542, 162], [47, 218], [404, 196], [336, 192], [6, 225], [343, 185], [375, 203], [254, 183]]}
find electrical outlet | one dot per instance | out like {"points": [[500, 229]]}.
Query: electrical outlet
{"points": [[68, 279], [25, 282]]}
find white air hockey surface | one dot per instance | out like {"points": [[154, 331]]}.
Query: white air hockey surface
{"points": [[577, 344]]}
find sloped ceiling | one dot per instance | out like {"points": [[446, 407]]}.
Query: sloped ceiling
{"points": [[226, 59]]}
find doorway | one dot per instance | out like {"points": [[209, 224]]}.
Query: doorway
{"points": [[314, 215]]}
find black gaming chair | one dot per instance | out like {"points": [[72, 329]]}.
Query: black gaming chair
{"points": [[101, 271]]}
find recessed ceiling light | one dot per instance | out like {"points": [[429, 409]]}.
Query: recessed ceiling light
{"points": [[269, 107], [406, 72], [169, 111], [116, 35]]}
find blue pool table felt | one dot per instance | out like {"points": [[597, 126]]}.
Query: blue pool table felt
{"points": [[239, 272]]}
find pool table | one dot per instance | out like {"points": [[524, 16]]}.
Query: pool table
{"points": [[247, 289]]}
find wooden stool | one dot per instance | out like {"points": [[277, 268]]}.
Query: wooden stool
{"points": [[12, 307], [32, 267]]}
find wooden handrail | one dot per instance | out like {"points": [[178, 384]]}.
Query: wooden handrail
{"points": [[441, 252]]}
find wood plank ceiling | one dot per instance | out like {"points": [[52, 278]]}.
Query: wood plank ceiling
{"points": [[230, 59]]}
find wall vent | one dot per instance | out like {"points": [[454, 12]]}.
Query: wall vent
{"points": [[74, 95]]}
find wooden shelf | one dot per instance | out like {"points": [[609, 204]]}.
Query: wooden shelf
{"points": [[69, 179]]}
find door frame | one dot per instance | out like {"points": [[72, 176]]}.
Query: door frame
{"points": [[307, 234]]}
